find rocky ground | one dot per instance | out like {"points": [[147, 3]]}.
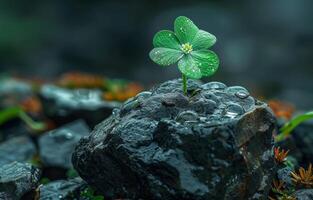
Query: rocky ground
{"points": [[216, 142]]}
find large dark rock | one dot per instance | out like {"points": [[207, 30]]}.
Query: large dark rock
{"points": [[215, 143], [65, 105], [56, 146], [16, 179], [61, 189], [20, 149]]}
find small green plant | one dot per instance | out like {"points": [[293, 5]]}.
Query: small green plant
{"points": [[44, 181], [17, 112], [292, 124], [89, 194], [187, 45], [280, 192], [71, 173]]}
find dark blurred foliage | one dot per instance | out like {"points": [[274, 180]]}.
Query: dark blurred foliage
{"points": [[264, 45]]}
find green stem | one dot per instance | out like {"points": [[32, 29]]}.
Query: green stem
{"points": [[36, 126], [14, 112], [184, 84], [290, 126]]}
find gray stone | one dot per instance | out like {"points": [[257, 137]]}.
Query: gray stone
{"points": [[16, 179], [284, 175], [14, 86], [56, 146], [304, 194], [170, 146], [60, 189], [20, 149], [65, 105]]}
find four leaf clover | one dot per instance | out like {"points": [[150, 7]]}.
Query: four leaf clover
{"points": [[187, 45]]}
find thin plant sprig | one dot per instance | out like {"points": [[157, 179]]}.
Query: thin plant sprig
{"points": [[17, 112], [187, 45], [286, 130]]}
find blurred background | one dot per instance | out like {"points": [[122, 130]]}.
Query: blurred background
{"points": [[266, 46]]}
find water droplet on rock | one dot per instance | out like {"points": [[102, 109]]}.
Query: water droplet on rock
{"points": [[68, 135], [233, 110], [242, 94], [144, 94], [129, 105], [214, 86], [203, 119], [187, 116], [211, 96], [235, 89], [115, 112], [61, 135]]}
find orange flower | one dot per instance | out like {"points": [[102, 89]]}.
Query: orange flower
{"points": [[281, 109], [32, 105], [278, 185], [304, 177], [123, 93], [81, 80], [280, 155]]}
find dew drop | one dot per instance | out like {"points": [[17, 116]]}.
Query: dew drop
{"points": [[235, 89], [144, 94], [187, 116], [115, 112], [233, 110], [68, 135], [231, 115], [213, 85], [242, 94]]}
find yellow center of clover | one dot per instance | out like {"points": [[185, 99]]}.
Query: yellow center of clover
{"points": [[186, 48]]}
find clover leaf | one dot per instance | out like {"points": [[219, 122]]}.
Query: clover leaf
{"points": [[187, 45]]}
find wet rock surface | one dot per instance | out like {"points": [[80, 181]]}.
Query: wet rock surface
{"points": [[283, 174], [65, 105], [215, 143], [19, 149], [56, 147], [10, 86], [16, 179], [304, 194], [61, 189]]}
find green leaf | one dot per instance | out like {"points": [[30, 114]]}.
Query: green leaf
{"points": [[203, 40], [165, 56], [207, 61], [189, 67], [166, 39], [15, 112], [45, 180], [71, 173], [291, 125], [185, 29], [9, 113], [36, 126]]}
